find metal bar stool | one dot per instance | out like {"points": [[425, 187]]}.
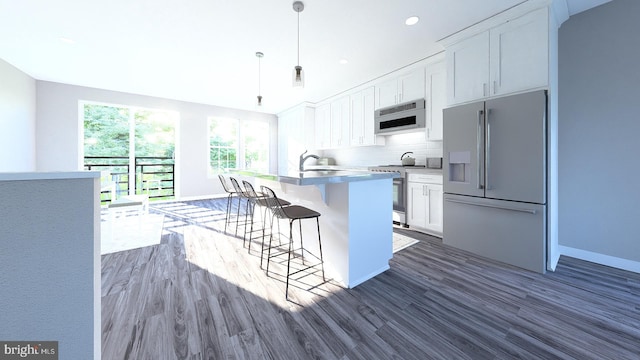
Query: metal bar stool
{"points": [[242, 194], [292, 213], [231, 194], [258, 199]]}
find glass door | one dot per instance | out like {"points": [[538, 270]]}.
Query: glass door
{"points": [[145, 165]]}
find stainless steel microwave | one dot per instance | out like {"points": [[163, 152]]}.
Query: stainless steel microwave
{"points": [[401, 118]]}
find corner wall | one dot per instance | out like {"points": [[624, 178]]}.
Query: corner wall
{"points": [[599, 128], [17, 120]]}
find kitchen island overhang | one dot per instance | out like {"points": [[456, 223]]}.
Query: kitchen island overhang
{"points": [[356, 221]]}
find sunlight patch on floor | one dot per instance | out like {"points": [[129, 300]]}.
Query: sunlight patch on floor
{"points": [[130, 232]]}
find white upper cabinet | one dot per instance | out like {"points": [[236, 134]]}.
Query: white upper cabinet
{"points": [[294, 129], [405, 87], [411, 86], [519, 54], [436, 95], [340, 116], [468, 69], [387, 93], [362, 119], [323, 126], [507, 58]]}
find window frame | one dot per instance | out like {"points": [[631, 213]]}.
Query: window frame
{"points": [[240, 143]]}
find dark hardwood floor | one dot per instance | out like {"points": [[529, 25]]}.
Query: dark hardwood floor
{"points": [[201, 295]]}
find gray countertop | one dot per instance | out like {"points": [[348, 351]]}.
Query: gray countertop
{"points": [[319, 176], [47, 175]]}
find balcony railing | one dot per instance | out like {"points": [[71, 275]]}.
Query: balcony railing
{"points": [[154, 175]]}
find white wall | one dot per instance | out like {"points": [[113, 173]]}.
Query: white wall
{"points": [[390, 153], [599, 130], [58, 126], [17, 120]]}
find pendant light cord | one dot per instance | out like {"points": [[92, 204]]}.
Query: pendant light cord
{"points": [[259, 61], [298, 38]]}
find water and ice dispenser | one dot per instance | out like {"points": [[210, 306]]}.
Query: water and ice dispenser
{"points": [[460, 166]]}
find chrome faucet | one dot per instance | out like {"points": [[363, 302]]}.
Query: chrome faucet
{"points": [[304, 158]]}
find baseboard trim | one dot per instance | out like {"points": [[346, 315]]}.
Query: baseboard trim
{"points": [[553, 261], [362, 279], [601, 259]]}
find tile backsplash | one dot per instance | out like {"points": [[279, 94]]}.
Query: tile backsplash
{"points": [[390, 153]]}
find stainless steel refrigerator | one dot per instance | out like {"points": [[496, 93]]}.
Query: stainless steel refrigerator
{"points": [[495, 179]]}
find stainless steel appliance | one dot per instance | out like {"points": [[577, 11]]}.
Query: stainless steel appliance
{"points": [[495, 179], [410, 116], [399, 190], [434, 163]]}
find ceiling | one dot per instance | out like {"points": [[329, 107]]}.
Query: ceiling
{"points": [[204, 51]]}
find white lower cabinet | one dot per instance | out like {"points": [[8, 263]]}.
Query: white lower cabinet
{"points": [[424, 202]]}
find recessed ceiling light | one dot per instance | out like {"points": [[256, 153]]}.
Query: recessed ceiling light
{"points": [[412, 20], [344, 61]]}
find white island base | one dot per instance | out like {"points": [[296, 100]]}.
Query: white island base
{"points": [[356, 224]]}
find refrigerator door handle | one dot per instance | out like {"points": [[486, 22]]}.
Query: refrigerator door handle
{"points": [[479, 150], [487, 154], [529, 211]]}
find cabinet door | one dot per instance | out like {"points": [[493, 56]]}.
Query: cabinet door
{"points": [[417, 204], [362, 118], [411, 86], [519, 54], [436, 94], [368, 102], [356, 133], [286, 138], [340, 122], [387, 93], [468, 69], [294, 129], [323, 126], [434, 211]]}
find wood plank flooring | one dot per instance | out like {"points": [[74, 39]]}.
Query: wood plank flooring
{"points": [[201, 295]]}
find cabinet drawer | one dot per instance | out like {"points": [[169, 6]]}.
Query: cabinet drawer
{"points": [[424, 178]]}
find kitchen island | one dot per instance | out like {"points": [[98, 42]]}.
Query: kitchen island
{"points": [[50, 259], [356, 221]]}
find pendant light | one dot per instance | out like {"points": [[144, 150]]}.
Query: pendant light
{"points": [[298, 73], [259, 55]]}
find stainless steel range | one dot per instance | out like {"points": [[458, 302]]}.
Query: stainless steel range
{"points": [[399, 190]]}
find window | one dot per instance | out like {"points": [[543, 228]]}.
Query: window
{"points": [[256, 145], [237, 144], [135, 145], [223, 145]]}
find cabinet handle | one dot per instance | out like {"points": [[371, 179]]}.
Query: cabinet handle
{"points": [[478, 149], [530, 211], [484, 89], [495, 87], [487, 155]]}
